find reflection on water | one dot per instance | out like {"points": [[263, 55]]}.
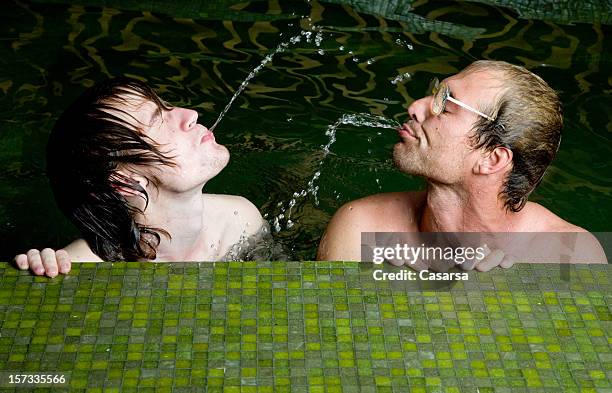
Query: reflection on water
{"points": [[295, 80]]}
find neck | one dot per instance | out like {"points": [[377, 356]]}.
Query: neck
{"points": [[181, 215], [452, 208]]}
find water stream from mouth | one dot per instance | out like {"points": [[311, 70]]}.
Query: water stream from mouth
{"points": [[283, 219], [360, 120], [279, 49]]}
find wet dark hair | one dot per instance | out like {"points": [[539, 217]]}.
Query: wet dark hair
{"points": [[528, 121], [90, 142]]}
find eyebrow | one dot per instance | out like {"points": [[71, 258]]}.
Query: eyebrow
{"points": [[156, 114]]}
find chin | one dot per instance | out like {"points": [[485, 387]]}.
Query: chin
{"points": [[224, 155], [217, 160], [406, 162]]}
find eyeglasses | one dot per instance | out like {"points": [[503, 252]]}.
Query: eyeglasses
{"points": [[441, 93]]}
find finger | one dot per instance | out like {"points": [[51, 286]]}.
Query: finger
{"points": [[49, 262], [395, 262], [469, 265], [21, 261], [63, 261], [490, 261], [35, 262], [507, 262]]}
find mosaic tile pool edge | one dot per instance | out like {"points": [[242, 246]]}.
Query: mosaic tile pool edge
{"points": [[306, 327]]}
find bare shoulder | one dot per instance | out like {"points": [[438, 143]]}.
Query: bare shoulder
{"points": [[393, 211], [79, 251], [233, 211], [388, 212], [585, 246], [540, 219]]}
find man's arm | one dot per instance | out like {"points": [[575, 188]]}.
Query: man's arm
{"points": [[342, 238], [79, 251], [587, 249], [387, 212], [252, 222], [239, 218]]}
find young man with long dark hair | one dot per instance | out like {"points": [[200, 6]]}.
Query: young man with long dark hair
{"points": [[128, 170]]}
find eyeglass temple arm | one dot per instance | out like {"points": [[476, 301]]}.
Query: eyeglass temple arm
{"points": [[469, 108]]}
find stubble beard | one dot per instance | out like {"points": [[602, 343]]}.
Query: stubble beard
{"points": [[220, 160], [407, 161]]}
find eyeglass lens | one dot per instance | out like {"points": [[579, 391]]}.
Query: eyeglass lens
{"points": [[440, 93]]}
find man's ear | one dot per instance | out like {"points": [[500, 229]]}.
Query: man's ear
{"points": [[129, 177], [494, 161]]}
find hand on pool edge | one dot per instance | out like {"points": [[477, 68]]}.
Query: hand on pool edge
{"points": [[492, 259], [46, 262]]}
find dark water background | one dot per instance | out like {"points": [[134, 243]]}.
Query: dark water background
{"points": [[196, 55]]}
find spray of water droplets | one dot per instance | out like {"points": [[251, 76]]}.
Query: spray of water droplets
{"points": [[360, 120], [318, 38], [243, 85], [401, 77]]}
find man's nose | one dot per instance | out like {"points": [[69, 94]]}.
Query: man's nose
{"points": [[186, 118], [419, 109]]}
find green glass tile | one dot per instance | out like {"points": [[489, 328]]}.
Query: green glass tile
{"points": [[258, 327]]}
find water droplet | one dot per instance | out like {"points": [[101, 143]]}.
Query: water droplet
{"points": [[341, 47], [318, 39], [401, 78], [235, 212], [408, 45]]}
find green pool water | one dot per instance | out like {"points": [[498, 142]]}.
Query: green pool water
{"points": [[307, 327], [300, 326], [196, 54]]}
